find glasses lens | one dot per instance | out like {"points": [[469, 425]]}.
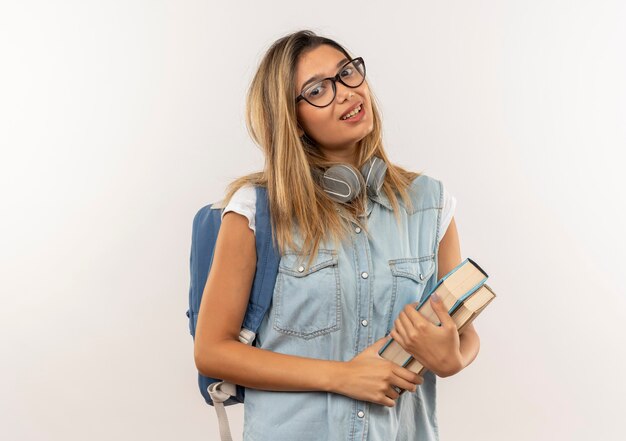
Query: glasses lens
{"points": [[353, 73], [321, 93]]}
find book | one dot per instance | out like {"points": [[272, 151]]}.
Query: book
{"points": [[464, 294], [465, 314]]}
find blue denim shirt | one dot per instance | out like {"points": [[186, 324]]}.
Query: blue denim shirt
{"points": [[347, 300]]}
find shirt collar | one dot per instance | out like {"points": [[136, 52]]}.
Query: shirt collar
{"points": [[381, 199]]}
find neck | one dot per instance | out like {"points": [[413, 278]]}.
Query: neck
{"points": [[345, 155]]}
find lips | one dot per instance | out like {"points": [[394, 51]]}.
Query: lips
{"points": [[351, 109]]}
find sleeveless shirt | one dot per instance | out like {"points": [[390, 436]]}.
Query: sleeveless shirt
{"points": [[346, 300]]}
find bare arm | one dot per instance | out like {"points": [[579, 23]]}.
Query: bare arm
{"points": [[449, 258], [218, 352]]}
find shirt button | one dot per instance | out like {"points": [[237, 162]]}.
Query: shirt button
{"points": [[300, 268], [357, 229], [364, 322], [421, 276], [364, 275], [361, 414]]}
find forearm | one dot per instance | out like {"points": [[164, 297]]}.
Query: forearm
{"points": [[257, 368], [469, 347]]}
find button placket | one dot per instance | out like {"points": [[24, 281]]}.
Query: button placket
{"points": [[364, 293]]}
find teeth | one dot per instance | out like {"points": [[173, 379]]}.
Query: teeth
{"points": [[351, 114]]}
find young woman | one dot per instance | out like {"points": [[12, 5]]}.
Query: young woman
{"points": [[361, 242]]}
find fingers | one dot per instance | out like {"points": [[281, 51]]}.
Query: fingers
{"points": [[408, 376], [442, 312], [413, 318], [403, 323], [389, 402], [392, 392], [406, 385], [399, 330]]}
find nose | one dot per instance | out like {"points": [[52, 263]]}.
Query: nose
{"points": [[344, 92]]}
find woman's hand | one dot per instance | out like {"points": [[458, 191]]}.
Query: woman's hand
{"points": [[436, 347], [370, 377]]}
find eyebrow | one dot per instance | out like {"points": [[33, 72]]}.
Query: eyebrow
{"points": [[318, 76]]}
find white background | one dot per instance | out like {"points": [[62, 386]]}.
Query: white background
{"points": [[120, 119]]}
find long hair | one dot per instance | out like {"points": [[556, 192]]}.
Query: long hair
{"points": [[296, 199]]}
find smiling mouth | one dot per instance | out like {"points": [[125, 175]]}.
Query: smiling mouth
{"points": [[353, 113]]}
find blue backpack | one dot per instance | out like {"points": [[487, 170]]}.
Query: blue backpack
{"points": [[206, 225]]}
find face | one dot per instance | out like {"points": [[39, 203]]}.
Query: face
{"points": [[337, 139]]}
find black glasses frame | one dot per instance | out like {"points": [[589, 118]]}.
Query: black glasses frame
{"points": [[334, 81]]}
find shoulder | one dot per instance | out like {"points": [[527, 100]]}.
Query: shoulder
{"points": [[243, 202], [426, 193], [447, 213], [245, 193]]}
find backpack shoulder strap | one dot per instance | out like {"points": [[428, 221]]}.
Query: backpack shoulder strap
{"points": [[268, 259], [206, 224]]}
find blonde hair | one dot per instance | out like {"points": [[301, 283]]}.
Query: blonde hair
{"points": [[295, 197]]}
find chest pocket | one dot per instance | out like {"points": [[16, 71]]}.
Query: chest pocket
{"points": [[307, 303], [409, 278]]}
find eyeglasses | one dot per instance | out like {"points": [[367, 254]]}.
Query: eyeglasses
{"points": [[352, 75]]}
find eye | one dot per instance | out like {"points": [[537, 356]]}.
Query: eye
{"points": [[348, 70], [316, 90]]}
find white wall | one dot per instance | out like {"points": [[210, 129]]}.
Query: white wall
{"points": [[119, 119]]}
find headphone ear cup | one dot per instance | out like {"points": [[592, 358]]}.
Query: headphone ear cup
{"points": [[373, 172], [342, 182]]}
